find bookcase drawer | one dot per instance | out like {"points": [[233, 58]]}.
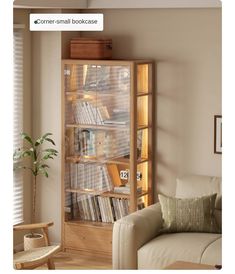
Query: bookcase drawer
{"points": [[88, 238]]}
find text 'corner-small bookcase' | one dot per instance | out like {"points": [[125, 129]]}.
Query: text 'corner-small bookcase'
{"points": [[107, 148]]}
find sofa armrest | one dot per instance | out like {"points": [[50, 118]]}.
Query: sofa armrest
{"points": [[133, 231]]}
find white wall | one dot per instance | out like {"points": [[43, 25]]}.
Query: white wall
{"points": [[46, 112], [186, 44]]}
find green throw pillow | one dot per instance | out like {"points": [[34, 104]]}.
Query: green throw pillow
{"points": [[188, 215]]}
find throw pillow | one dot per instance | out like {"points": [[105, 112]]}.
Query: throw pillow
{"points": [[188, 215]]}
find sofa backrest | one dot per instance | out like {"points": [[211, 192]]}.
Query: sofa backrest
{"points": [[190, 186]]}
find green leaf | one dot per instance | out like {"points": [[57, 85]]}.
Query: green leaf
{"points": [[51, 150], [45, 135], [44, 166], [43, 171], [25, 136], [40, 140], [50, 140], [47, 156], [21, 153]]}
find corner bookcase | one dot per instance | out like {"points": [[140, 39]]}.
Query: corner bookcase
{"points": [[107, 148]]}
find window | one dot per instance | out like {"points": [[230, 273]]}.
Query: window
{"points": [[18, 121]]}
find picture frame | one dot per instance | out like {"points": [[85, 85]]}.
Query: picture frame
{"points": [[218, 134]]}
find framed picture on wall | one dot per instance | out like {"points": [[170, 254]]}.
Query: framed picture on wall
{"points": [[218, 134]]}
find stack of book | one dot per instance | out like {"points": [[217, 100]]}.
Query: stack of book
{"points": [[99, 143], [86, 113], [90, 176], [103, 209], [85, 142]]}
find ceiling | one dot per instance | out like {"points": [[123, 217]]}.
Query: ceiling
{"points": [[112, 4]]}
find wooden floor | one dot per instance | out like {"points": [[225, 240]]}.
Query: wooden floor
{"points": [[65, 260]]}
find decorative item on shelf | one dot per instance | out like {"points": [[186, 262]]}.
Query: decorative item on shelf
{"points": [[218, 134], [124, 175], [91, 48], [38, 156]]}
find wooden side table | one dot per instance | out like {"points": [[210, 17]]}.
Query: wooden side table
{"points": [[189, 265]]}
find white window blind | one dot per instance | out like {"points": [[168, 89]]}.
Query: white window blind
{"points": [[18, 122]]}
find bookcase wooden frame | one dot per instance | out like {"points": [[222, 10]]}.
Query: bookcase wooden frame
{"points": [[75, 234]]}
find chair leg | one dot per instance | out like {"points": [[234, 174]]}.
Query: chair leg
{"points": [[50, 264]]}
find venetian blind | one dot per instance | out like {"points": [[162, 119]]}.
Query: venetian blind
{"points": [[18, 122]]}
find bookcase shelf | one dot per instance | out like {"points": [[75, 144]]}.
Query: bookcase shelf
{"points": [[104, 194], [77, 93], [103, 127], [107, 148], [121, 161], [119, 127]]}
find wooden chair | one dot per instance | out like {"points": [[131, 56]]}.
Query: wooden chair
{"points": [[35, 257]]}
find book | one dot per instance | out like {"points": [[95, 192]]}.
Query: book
{"points": [[103, 218], [107, 184], [80, 172], [97, 209], [91, 208], [126, 189], [115, 206], [118, 118], [109, 210]]}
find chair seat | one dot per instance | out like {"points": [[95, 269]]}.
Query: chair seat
{"points": [[34, 255]]}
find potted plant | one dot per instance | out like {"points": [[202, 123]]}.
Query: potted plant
{"points": [[38, 156]]}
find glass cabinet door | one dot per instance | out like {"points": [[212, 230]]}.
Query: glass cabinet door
{"points": [[108, 119]]}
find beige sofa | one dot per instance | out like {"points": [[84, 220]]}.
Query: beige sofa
{"points": [[137, 243]]}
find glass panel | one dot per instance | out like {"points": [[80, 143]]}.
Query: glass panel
{"points": [[97, 131], [96, 144], [97, 95], [142, 144], [88, 176], [142, 78], [142, 110], [142, 176]]}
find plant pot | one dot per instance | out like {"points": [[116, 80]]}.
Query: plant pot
{"points": [[33, 241]]}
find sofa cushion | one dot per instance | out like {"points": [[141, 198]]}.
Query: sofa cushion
{"points": [[210, 256], [190, 186], [188, 215], [168, 248]]}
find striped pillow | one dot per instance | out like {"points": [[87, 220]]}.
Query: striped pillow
{"points": [[188, 215]]}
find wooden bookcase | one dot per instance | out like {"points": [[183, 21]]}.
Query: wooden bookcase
{"points": [[107, 141]]}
